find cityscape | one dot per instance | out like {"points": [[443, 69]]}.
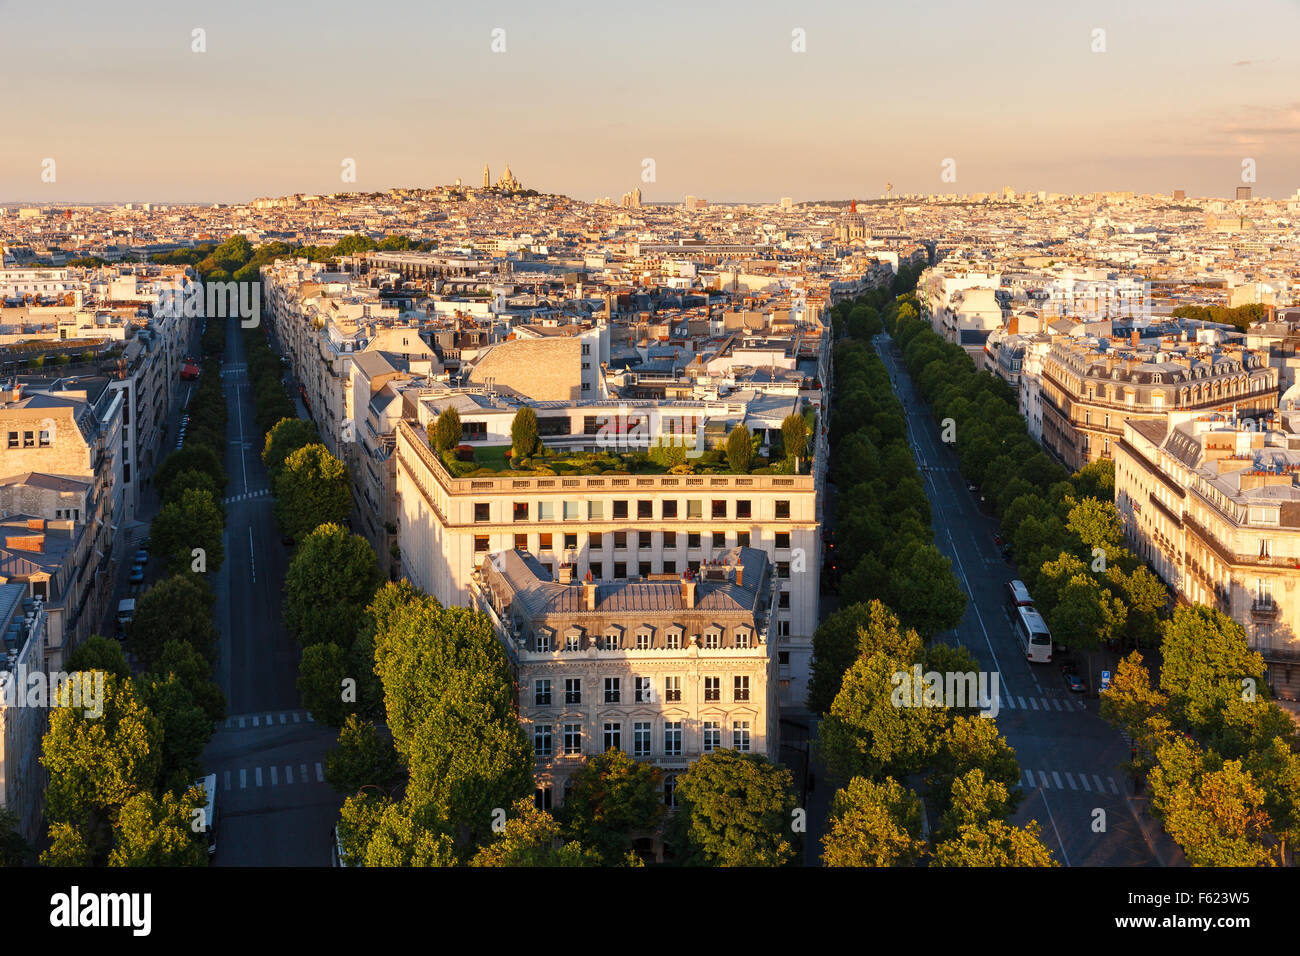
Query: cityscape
{"points": [[367, 512]]}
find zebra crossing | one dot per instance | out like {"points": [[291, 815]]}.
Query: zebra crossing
{"points": [[1064, 780], [282, 718], [276, 775], [251, 494], [1011, 702]]}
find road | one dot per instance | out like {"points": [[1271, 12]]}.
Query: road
{"points": [[275, 809], [1069, 756]]}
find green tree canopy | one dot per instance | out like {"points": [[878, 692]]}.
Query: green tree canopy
{"points": [[873, 824], [446, 429], [331, 579], [740, 450], [736, 809], [312, 489], [614, 800], [194, 521], [523, 433], [533, 837], [178, 608], [285, 437], [158, 832]]}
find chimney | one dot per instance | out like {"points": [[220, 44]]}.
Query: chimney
{"points": [[740, 574], [565, 574], [589, 595], [17, 393], [1133, 338], [688, 592]]}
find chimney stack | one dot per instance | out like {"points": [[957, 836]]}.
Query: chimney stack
{"points": [[740, 574], [589, 595], [1133, 338], [688, 592], [566, 574]]}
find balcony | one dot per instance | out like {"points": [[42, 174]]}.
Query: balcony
{"points": [[1263, 609]]}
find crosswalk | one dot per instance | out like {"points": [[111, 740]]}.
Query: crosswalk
{"points": [[275, 775], [1041, 703], [1064, 780], [251, 494], [261, 720]]}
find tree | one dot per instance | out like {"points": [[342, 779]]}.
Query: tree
{"points": [[285, 437], [1086, 615], [1207, 663], [186, 729], [408, 834], [794, 436], [190, 478], [614, 800], [1097, 525], [873, 824], [311, 490], [193, 521], [1216, 816], [740, 450], [321, 673], [179, 659], [446, 429], [98, 763], [363, 757], [332, 577], [973, 745], [1131, 704], [523, 433], [178, 608], [14, 850], [154, 832], [736, 809], [99, 654], [924, 591], [533, 837], [68, 847], [190, 458], [995, 843], [849, 633]]}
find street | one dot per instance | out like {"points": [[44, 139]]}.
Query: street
{"points": [[275, 809], [1069, 756]]}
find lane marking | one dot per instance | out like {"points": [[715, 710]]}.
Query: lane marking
{"points": [[320, 774], [1057, 777], [1083, 779], [257, 774], [252, 558], [243, 779], [275, 777], [1070, 779], [1059, 841], [288, 774]]}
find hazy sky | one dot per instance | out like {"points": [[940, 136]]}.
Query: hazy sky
{"points": [[584, 92]]}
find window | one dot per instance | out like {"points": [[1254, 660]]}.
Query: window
{"points": [[673, 687], [719, 539], [644, 690], [29, 439], [542, 693], [740, 735], [674, 640], [783, 509], [573, 642], [643, 569], [742, 638], [782, 628], [572, 739], [644, 540], [713, 688], [596, 510], [13, 439], [783, 600], [482, 542], [694, 509], [692, 539], [573, 690], [542, 641], [783, 569], [571, 510], [544, 542], [742, 539], [596, 540], [542, 798], [521, 542], [645, 509], [613, 689], [712, 640], [620, 509], [613, 735], [670, 539], [670, 509], [482, 511], [672, 738], [620, 570], [783, 539], [719, 509], [586, 348], [670, 567], [545, 511], [570, 542], [620, 540], [712, 736], [541, 740], [642, 643], [670, 790], [45, 443], [641, 738], [743, 509], [740, 688], [597, 571]]}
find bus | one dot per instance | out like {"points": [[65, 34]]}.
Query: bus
{"points": [[208, 785], [1035, 638], [1017, 597]]}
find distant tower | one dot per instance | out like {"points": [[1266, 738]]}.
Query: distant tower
{"points": [[889, 190], [487, 177]]}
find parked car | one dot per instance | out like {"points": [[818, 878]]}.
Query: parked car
{"points": [[1075, 684], [142, 557], [137, 574]]}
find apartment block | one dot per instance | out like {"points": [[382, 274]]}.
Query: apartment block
{"points": [[22, 777]]}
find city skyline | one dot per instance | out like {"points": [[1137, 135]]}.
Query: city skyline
{"points": [[726, 109]]}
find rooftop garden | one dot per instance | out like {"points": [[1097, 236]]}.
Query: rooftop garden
{"points": [[528, 456]]}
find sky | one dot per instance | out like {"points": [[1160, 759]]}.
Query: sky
{"points": [[715, 93]]}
